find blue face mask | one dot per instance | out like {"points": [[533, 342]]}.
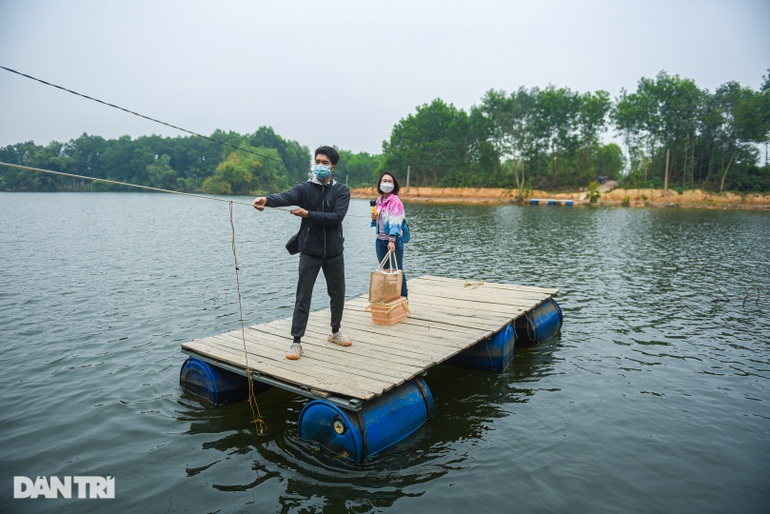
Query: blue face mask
{"points": [[321, 171]]}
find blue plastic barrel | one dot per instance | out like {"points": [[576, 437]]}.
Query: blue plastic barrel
{"points": [[534, 201], [494, 353], [355, 436], [214, 386], [540, 324]]}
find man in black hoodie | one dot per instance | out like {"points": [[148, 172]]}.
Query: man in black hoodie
{"points": [[323, 203]]}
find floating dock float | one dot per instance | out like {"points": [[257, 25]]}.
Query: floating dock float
{"points": [[371, 395], [550, 201]]}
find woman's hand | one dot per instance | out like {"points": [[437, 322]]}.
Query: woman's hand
{"points": [[374, 216], [391, 246]]}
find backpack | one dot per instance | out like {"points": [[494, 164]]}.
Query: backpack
{"points": [[405, 234]]}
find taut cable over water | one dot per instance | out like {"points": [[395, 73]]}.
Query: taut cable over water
{"points": [[223, 143], [115, 182]]}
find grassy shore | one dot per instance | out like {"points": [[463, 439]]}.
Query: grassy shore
{"points": [[607, 197]]}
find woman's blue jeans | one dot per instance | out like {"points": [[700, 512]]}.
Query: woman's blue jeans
{"points": [[382, 250]]}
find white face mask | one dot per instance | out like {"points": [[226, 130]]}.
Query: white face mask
{"points": [[386, 187]]}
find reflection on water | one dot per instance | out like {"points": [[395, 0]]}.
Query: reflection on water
{"points": [[654, 397]]}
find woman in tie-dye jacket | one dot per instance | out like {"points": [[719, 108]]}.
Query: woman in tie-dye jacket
{"points": [[387, 219]]}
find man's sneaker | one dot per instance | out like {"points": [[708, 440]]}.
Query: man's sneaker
{"points": [[295, 350], [338, 338]]}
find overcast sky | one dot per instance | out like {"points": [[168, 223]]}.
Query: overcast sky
{"points": [[344, 72]]}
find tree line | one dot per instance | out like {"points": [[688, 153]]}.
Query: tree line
{"points": [[671, 133]]}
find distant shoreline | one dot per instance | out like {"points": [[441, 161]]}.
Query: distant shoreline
{"points": [[615, 197], [693, 199]]}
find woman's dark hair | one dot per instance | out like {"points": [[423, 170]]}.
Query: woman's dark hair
{"points": [[396, 187]]}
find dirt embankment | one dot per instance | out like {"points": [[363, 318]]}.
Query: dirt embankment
{"points": [[607, 197]]}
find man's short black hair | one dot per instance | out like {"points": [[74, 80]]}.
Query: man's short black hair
{"points": [[396, 187], [329, 152]]}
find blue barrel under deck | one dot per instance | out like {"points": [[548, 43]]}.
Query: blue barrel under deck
{"points": [[355, 436], [540, 324], [494, 353], [212, 385]]}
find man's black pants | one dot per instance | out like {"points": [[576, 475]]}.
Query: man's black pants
{"points": [[334, 272]]}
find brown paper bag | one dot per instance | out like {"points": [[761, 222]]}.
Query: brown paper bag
{"points": [[385, 285]]}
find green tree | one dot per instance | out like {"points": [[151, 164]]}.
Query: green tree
{"points": [[558, 109], [437, 144], [84, 156], [591, 122], [730, 126], [660, 119], [15, 179], [608, 161], [117, 160], [294, 156], [244, 173], [509, 123], [359, 169], [161, 174]]}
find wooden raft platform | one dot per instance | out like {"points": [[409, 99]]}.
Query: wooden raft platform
{"points": [[446, 317]]}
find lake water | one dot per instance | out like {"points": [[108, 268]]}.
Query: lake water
{"points": [[655, 397]]}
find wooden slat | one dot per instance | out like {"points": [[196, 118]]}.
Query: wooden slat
{"points": [[481, 295], [446, 317]]}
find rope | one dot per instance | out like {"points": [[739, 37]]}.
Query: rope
{"points": [[223, 143], [148, 188], [161, 190], [259, 424], [138, 186]]}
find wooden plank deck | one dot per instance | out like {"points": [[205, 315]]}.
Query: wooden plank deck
{"points": [[447, 316]]}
